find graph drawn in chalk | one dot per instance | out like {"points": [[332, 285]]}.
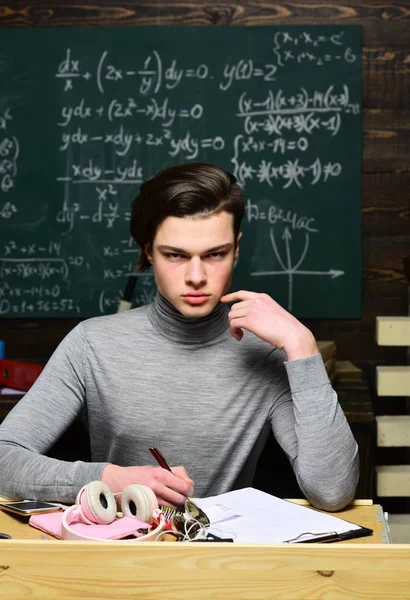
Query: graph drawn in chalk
{"points": [[289, 269]]}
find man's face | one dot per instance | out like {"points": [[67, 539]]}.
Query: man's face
{"points": [[193, 259]]}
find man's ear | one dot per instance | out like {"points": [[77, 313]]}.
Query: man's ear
{"points": [[148, 252], [238, 240]]}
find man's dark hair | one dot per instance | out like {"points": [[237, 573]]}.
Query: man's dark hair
{"points": [[192, 189]]}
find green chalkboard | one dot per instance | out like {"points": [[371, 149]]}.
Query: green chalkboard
{"points": [[87, 114]]}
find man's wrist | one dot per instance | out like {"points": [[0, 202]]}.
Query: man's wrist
{"points": [[302, 347], [108, 476]]}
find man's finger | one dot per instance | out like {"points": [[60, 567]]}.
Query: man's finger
{"points": [[177, 483], [237, 296], [237, 333], [236, 324], [169, 497], [243, 304], [181, 472], [237, 313]]}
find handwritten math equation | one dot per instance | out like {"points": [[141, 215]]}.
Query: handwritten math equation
{"points": [[156, 73]]}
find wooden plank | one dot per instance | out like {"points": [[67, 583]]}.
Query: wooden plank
{"points": [[383, 263], [347, 371], [386, 203], [393, 331], [45, 570], [304, 502], [386, 140], [387, 119], [386, 300], [393, 381], [393, 480], [381, 23], [386, 74], [393, 430]]}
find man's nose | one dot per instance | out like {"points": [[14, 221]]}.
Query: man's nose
{"points": [[196, 274]]}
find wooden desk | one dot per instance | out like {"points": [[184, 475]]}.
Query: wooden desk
{"points": [[366, 568]]}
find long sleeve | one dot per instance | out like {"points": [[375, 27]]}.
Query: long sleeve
{"points": [[313, 431], [35, 424]]}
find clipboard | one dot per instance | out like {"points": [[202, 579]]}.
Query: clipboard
{"points": [[252, 516], [331, 536]]}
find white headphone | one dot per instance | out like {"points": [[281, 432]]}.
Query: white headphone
{"points": [[96, 504]]}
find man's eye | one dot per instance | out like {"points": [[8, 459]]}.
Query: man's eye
{"points": [[174, 255], [216, 255]]}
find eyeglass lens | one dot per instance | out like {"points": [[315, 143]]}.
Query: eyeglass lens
{"points": [[192, 525]]}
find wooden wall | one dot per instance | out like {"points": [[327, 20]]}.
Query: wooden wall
{"points": [[386, 143]]}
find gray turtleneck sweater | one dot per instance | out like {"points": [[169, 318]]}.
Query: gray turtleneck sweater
{"points": [[151, 377]]}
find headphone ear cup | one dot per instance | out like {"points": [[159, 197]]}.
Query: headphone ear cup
{"points": [[139, 501], [98, 503]]}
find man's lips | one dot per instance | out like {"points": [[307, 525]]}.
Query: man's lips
{"points": [[198, 294], [196, 298]]}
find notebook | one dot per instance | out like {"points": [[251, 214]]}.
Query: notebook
{"points": [[252, 516]]}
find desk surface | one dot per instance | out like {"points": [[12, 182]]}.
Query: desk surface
{"points": [[359, 513]]}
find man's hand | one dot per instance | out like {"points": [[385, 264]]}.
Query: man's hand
{"points": [[261, 315], [171, 489]]}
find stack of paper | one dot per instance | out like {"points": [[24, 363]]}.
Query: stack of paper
{"points": [[252, 516]]}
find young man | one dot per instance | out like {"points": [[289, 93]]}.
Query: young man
{"points": [[202, 382]]}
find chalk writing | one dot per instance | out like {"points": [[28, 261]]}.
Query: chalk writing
{"points": [[288, 173], [9, 153], [290, 269], [274, 215]]}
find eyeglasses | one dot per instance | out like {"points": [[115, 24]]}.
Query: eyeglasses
{"points": [[186, 521], [189, 523]]}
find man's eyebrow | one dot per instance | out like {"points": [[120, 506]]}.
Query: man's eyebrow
{"points": [[226, 246], [165, 248]]}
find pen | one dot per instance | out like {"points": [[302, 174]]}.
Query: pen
{"points": [[159, 457], [190, 506]]}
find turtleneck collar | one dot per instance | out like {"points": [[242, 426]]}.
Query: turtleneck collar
{"points": [[188, 330]]}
